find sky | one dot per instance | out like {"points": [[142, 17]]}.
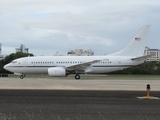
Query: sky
{"points": [[50, 26]]}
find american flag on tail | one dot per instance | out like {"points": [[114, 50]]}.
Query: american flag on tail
{"points": [[137, 39]]}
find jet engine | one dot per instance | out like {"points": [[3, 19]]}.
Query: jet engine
{"points": [[57, 71]]}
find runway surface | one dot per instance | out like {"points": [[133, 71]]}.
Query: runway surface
{"points": [[60, 83], [77, 105], [85, 99]]}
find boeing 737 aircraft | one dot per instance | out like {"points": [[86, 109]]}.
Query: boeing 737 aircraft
{"points": [[131, 55]]}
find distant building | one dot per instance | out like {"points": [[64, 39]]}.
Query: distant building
{"points": [[1, 55], [22, 49], [81, 52], [154, 52], [0, 48]]}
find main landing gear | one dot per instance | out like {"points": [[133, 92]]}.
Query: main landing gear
{"points": [[77, 76], [22, 76]]}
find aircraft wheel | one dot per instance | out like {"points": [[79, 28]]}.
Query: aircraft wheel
{"points": [[22, 76], [77, 77]]}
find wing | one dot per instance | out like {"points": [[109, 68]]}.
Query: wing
{"points": [[82, 66]]}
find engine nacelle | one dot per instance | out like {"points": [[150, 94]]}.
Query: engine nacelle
{"points": [[57, 71]]}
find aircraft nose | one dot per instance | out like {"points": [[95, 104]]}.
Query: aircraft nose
{"points": [[6, 67]]}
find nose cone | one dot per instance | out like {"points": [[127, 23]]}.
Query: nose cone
{"points": [[6, 67]]}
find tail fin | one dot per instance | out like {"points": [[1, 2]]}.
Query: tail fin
{"points": [[137, 45]]}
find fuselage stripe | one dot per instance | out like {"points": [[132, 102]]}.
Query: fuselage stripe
{"points": [[92, 66]]}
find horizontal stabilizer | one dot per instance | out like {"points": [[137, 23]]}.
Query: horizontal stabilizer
{"points": [[142, 57]]}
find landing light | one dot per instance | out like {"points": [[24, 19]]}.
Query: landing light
{"points": [[148, 87]]}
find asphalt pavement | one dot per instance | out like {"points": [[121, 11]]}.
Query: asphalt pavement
{"points": [[77, 105]]}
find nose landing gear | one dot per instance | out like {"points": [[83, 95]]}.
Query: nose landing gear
{"points": [[22, 76]]}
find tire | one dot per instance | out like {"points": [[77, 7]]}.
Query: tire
{"points": [[21, 76], [77, 76]]}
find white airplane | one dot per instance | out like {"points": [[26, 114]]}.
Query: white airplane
{"points": [[131, 55]]}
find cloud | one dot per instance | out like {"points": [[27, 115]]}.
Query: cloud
{"points": [[46, 26]]}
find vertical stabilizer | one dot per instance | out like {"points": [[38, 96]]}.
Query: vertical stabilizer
{"points": [[137, 45]]}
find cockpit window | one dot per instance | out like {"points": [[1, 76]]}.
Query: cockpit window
{"points": [[14, 61]]}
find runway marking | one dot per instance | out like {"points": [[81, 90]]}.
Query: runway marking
{"points": [[151, 97]]}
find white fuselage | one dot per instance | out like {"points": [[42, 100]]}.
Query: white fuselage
{"points": [[41, 64]]}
